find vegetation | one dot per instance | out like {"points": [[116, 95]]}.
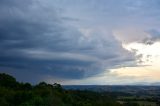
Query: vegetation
{"points": [[13, 93]]}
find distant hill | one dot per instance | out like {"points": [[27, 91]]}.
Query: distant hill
{"points": [[131, 89], [155, 84]]}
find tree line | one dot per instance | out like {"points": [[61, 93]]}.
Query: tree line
{"points": [[14, 93]]}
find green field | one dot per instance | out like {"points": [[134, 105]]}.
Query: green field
{"points": [[141, 103], [146, 103]]}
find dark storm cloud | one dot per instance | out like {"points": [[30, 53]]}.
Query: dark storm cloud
{"points": [[154, 36], [35, 40]]}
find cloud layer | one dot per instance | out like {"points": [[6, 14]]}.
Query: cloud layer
{"points": [[36, 41], [65, 40]]}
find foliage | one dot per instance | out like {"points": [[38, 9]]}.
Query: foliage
{"points": [[13, 93]]}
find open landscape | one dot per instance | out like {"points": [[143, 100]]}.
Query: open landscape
{"points": [[79, 52], [13, 93], [142, 95]]}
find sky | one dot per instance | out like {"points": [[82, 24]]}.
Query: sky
{"points": [[81, 42]]}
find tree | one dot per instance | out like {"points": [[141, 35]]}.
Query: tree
{"points": [[7, 81]]}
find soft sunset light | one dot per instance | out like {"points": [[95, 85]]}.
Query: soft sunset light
{"points": [[80, 41]]}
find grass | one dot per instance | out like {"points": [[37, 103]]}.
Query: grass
{"points": [[145, 103]]}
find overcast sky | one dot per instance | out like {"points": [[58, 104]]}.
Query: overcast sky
{"points": [[81, 41]]}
